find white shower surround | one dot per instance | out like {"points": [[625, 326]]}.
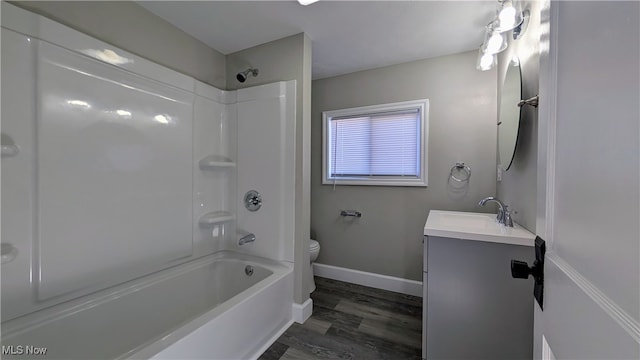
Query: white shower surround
{"points": [[266, 159], [193, 189]]}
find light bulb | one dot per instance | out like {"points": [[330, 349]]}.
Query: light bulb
{"points": [[494, 41], [507, 17], [486, 61], [494, 44]]}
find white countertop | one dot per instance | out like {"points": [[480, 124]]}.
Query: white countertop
{"points": [[475, 226]]}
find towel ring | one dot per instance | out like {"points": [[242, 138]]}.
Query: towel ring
{"points": [[461, 167]]}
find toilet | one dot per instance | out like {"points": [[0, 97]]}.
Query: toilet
{"points": [[314, 250]]}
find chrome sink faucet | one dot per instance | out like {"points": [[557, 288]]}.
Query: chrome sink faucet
{"points": [[504, 214]]}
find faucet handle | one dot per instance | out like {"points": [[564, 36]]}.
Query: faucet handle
{"points": [[500, 214], [506, 217]]}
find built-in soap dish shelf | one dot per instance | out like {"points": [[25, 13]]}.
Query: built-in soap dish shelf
{"points": [[215, 217], [212, 162]]}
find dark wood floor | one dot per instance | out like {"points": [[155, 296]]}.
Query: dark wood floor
{"points": [[354, 322]]}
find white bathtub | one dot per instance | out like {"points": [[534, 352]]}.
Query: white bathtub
{"points": [[206, 309]]}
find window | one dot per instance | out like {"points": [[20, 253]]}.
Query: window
{"points": [[376, 145]]}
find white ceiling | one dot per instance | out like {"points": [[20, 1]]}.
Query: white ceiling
{"points": [[347, 36]]}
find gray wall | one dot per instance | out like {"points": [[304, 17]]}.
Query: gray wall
{"points": [[127, 25], [462, 127], [287, 59], [518, 186]]}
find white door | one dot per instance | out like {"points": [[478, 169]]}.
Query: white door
{"points": [[589, 187]]}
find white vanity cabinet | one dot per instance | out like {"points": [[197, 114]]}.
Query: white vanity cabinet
{"points": [[473, 308]]}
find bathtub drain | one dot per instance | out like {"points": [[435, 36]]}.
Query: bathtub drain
{"points": [[248, 270]]}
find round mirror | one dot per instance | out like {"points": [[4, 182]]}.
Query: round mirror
{"points": [[509, 118]]}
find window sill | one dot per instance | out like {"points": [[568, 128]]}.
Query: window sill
{"points": [[376, 182]]}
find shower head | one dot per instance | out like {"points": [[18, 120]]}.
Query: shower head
{"points": [[243, 75]]}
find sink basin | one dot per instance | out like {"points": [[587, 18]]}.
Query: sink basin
{"points": [[475, 226]]}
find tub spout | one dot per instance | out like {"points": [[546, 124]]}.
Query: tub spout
{"points": [[246, 238]]}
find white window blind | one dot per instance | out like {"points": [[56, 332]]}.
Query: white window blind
{"points": [[383, 145], [377, 144]]}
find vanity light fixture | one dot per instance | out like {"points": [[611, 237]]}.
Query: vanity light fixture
{"points": [[509, 16], [306, 2]]}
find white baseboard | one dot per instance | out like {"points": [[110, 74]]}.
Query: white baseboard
{"points": [[384, 282], [301, 312]]}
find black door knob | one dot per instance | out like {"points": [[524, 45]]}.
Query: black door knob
{"points": [[520, 269]]}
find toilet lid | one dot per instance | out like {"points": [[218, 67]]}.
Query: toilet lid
{"points": [[313, 244]]}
